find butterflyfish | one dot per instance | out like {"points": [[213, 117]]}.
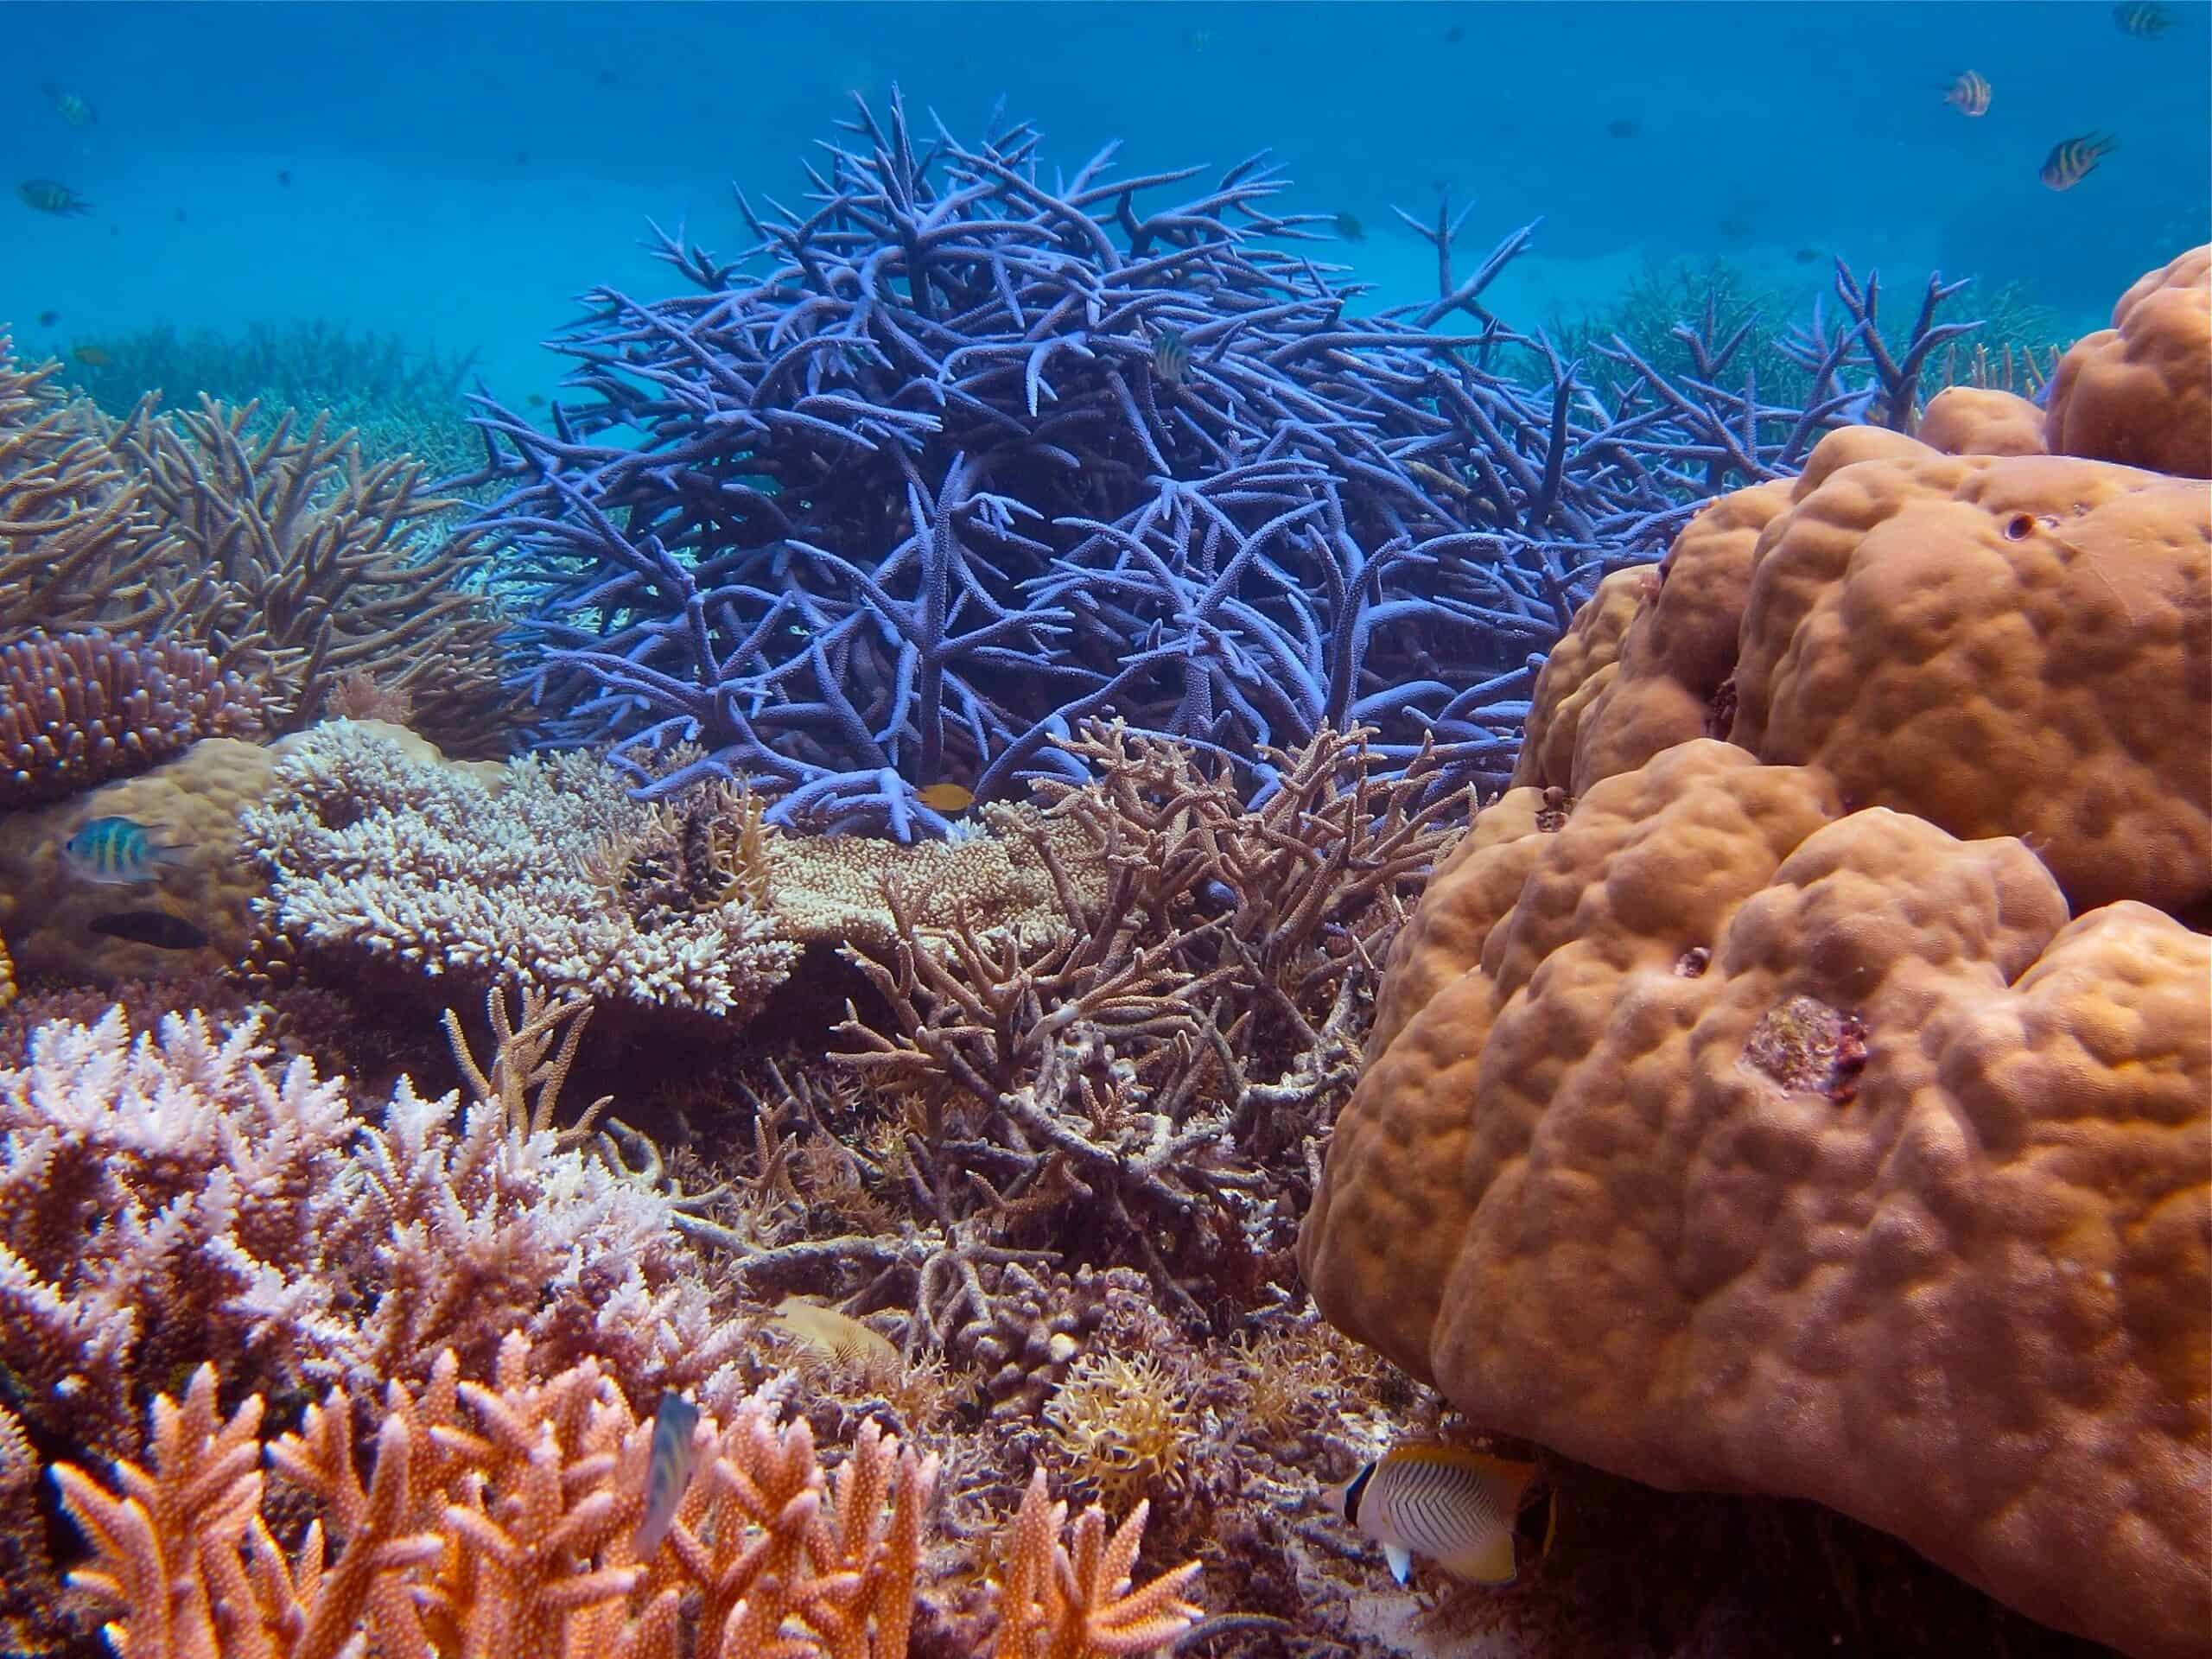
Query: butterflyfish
{"points": [[1453, 1506], [667, 1474]]}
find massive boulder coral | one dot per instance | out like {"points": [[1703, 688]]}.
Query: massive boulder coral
{"points": [[2001, 644], [1757, 1145], [1761, 1116], [2137, 392]]}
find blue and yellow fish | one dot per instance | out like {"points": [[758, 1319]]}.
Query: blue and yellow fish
{"points": [[115, 852], [1458, 1508]]}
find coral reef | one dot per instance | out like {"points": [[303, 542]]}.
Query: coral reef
{"points": [[400, 399], [497, 1521], [971, 459], [77, 709], [252, 1213], [277, 547], [1730, 1120]]}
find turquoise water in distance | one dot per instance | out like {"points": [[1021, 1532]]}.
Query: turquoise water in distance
{"points": [[457, 174]]}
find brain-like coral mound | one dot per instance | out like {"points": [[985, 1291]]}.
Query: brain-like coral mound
{"points": [[79, 708], [194, 912], [2138, 392], [1756, 1145], [2016, 645], [1757, 1119]]}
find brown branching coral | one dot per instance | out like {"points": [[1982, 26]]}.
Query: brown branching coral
{"points": [[76, 541], [499, 1523], [303, 565], [1192, 1025], [77, 709], [290, 558]]}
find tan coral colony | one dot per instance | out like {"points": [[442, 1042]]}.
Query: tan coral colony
{"points": [[1801, 1083]]}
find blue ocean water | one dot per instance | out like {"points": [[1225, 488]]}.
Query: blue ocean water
{"points": [[457, 174]]}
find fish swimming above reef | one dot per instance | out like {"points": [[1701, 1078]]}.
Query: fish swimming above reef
{"points": [[2074, 159], [48, 319], [52, 196], [69, 107], [1350, 228], [156, 928], [114, 852], [1968, 94], [1170, 356], [946, 797], [1457, 1507], [91, 356], [669, 1471], [2144, 20]]}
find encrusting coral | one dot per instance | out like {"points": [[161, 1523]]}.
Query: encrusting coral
{"points": [[499, 1523], [1735, 1123]]}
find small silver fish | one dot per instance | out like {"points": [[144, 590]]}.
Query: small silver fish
{"points": [[668, 1475], [115, 853], [1457, 1507]]}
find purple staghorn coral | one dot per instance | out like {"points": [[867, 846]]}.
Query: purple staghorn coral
{"points": [[970, 459]]}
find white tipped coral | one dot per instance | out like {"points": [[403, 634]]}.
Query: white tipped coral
{"points": [[166, 1197], [374, 845]]}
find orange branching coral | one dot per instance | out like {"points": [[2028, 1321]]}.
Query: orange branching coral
{"points": [[498, 1523], [79, 708], [1055, 1603]]}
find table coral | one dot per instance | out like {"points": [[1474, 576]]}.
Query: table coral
{"points": [[1731, 1125], [2137, 392]]}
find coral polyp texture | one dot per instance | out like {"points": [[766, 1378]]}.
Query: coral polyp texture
{"points": [[953, 458], [77, 709], [1802, 1083]]}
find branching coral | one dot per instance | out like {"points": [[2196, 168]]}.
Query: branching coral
{"points": [[248, 1213], [499, 1521], [953, 458], [376, 850], [289, 557], [77, 709], [298, 558]]}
